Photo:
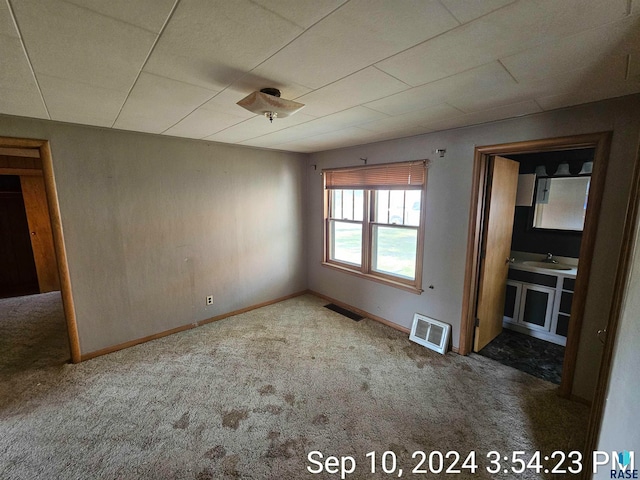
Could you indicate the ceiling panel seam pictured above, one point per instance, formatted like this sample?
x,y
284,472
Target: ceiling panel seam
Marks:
x,y
507,70
294,39
155,42
248,72
83,7
539,106
278,15
26,54
392,76
450,12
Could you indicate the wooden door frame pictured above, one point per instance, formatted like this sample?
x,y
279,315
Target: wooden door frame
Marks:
x,y
619,292
27,148
601,142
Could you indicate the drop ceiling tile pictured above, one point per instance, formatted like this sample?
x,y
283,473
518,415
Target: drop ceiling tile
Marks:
x,y
612,69
20,95
583,49
157,103
212,43
225,102
202,123
480,80
147,14
351,137
303,13
356,35
336,121
506,111
66,41
412,119
361,87
255,127
465,11
7,27
336,139
76,102
577,97
506,31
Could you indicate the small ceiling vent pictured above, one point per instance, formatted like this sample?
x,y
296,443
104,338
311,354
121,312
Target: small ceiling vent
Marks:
x,y
430,333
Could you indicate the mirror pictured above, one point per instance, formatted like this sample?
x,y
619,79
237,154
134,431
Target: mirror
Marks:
x,y
561,203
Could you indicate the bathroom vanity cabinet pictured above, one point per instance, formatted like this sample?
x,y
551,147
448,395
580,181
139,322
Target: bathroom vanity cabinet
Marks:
x,y
538,302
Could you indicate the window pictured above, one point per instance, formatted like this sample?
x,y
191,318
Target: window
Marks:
x,y
373,224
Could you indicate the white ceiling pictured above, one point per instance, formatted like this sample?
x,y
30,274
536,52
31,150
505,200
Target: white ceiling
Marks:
x,y
367,70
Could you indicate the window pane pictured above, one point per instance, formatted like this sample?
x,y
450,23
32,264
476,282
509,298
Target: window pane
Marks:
x,y
394,251
382,206
346,242
396,206
358,204
412,208
336,203
347,205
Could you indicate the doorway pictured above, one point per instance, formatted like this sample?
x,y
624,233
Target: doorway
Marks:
x,y
481,182
30,160
548,220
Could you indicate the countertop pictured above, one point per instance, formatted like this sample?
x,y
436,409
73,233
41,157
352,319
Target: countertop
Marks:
x,y
520,257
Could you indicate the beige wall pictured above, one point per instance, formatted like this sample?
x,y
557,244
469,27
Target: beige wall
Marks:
x,y
153,225
447,204
620,424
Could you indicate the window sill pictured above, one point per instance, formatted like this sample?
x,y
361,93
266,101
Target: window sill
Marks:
x,y
375,278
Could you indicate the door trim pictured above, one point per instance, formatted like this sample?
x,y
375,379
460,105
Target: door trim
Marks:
x,y
619,293
601,143
44,152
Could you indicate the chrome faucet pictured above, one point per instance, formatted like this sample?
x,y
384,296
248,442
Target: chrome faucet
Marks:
x,y
550,259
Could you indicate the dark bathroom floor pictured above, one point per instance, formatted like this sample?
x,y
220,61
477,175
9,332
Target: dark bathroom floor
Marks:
x,y
528,354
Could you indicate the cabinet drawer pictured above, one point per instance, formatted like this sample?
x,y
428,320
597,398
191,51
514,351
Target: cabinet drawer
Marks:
x,y
532,277
569,284
512,300
563,325
565,302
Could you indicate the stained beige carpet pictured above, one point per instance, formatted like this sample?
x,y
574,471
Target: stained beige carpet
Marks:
x,y
250,396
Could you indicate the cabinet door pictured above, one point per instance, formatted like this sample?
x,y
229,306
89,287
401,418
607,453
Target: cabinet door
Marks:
x,y
512,301
536,307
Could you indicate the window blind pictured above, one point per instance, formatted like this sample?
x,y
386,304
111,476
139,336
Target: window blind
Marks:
x,y
389,176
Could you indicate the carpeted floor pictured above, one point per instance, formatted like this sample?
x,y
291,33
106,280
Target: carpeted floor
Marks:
x,y
252,395
529,354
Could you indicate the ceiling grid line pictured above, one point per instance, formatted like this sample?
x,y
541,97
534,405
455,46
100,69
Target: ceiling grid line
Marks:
x,y
111,17
153,46
460,22
296,37
26,53
507,70
248,73
364,68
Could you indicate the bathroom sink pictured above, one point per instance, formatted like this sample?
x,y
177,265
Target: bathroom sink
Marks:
x,y
551,266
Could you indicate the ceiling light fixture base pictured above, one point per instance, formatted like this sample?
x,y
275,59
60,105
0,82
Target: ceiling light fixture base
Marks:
x,y
267,102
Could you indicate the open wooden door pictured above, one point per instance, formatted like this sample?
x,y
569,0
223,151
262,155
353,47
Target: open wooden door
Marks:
x,y
499,211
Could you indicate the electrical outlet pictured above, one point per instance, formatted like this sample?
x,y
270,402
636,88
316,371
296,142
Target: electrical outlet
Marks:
x,y
209,299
